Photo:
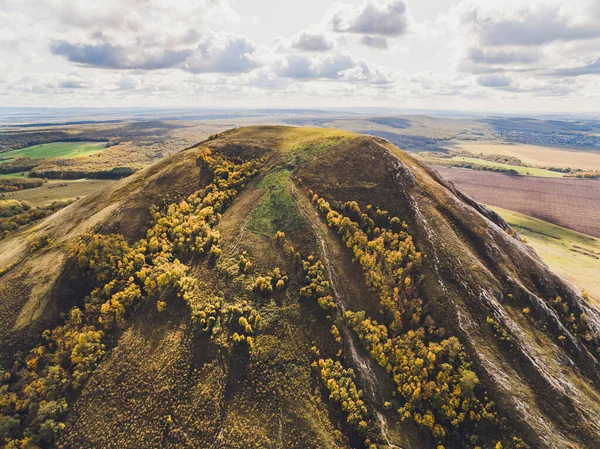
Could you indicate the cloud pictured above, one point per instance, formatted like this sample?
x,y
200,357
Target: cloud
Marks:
x,y
110,56
72,84
588,69
234,54
535,29
515,47
340,67
148,35
524,86
308,40
385,18
128,83
536,24
494,81
135,16
224,54
511,56
265,79
375,42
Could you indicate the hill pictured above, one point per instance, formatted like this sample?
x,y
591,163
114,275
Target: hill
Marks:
x,y
290,287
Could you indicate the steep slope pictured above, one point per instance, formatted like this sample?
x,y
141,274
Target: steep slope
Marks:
x,y
291,287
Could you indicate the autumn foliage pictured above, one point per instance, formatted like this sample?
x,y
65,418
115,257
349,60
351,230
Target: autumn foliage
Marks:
x,y
436,384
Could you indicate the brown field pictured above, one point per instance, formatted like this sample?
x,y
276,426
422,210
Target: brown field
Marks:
x,y
538,155
572,203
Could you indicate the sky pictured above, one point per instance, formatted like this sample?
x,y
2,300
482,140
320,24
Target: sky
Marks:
x,y
479,55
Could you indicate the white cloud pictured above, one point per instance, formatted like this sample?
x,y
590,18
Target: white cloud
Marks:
x,y
515,47
195,51
341,67
375,42
535,23
593,68
494,81
386,18
224,54
504,56
375,21
311,40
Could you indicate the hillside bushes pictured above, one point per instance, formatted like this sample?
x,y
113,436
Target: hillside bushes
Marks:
x,y
18,165
16,184
16,214
343,390
435,381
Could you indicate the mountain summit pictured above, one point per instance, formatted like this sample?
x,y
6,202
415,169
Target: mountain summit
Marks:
x,y
279,287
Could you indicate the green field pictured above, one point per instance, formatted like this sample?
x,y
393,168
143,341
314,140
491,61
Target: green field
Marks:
x,y
66,150
521,170
15,175
573,255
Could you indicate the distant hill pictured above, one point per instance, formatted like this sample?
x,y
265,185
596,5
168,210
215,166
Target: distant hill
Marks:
x,y
282,287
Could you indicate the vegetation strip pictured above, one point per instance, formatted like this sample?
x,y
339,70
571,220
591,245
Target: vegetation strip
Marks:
x,y
436,385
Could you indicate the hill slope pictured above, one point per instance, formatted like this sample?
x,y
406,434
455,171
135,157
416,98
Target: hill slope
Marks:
x,y
291,287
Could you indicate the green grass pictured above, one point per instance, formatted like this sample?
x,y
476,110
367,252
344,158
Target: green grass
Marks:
x,y
277,208
573,255
521,170
20,174
66,150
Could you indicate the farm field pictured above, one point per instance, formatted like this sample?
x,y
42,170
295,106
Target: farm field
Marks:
x,y
571,254
59,190
572,203
67,150
538,155
527,171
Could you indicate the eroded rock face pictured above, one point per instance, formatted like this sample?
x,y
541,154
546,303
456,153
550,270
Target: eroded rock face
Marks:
x,y
531,337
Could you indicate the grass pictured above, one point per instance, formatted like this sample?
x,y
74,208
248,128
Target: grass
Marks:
x,y
277,209
573,255
520,169
66,150
306,151
15,175
58,191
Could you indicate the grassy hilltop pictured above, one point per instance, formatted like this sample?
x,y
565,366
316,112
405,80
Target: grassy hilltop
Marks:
x,y
290,287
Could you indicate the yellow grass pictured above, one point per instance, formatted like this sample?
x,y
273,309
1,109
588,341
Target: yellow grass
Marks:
x,y
538,155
